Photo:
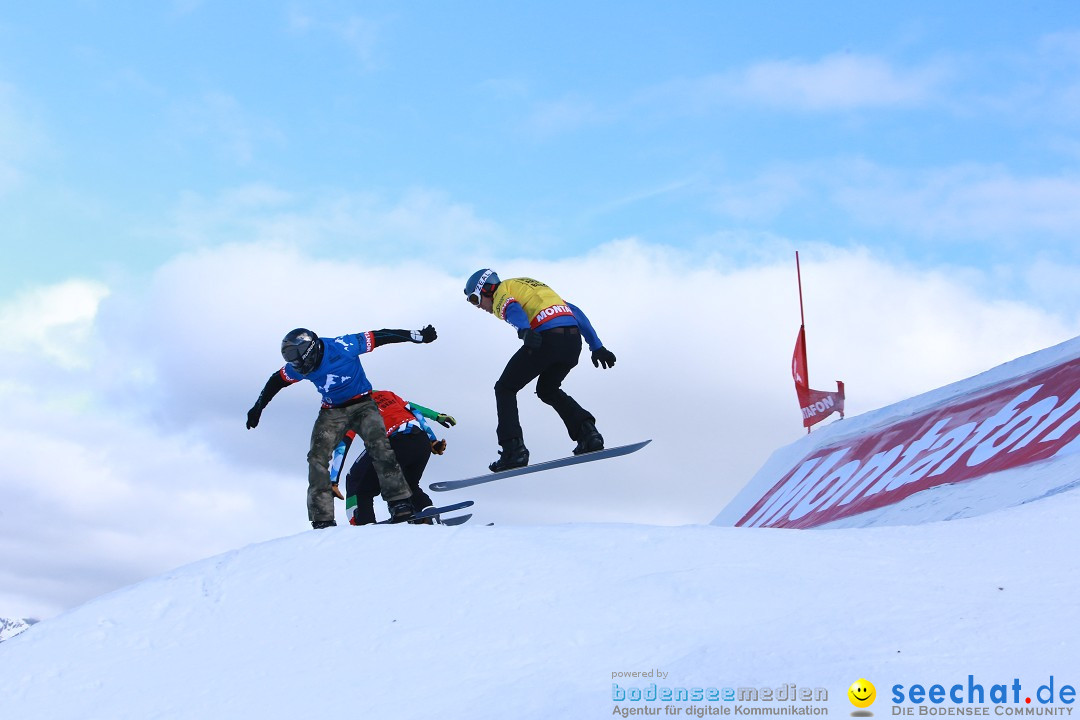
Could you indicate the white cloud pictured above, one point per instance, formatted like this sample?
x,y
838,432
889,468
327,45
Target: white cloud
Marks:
x,y
566,114
53,321
343,226
155,468
1034,88
186,7
766,195
360,34
963,201
834,83
1063,45
959,204
838,82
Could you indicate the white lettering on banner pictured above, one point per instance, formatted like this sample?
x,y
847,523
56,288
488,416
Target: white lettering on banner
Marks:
x,y
906,470
813,500
1052,418
878,465
1000,427
782,501
985,428
821,406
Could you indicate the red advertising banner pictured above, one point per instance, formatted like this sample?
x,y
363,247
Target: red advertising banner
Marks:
x,y
816,405
1013,423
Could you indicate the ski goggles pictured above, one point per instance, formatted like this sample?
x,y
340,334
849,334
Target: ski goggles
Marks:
x,y
300,357
474,296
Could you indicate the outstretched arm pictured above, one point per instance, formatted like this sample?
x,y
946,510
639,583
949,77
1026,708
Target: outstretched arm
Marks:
x,y
386,336
420,412
272,387
441,418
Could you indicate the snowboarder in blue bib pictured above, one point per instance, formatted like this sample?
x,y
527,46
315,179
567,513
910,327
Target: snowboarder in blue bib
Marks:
x,y
551,330
333,366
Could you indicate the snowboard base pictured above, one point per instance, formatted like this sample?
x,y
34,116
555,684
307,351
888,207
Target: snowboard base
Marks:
x,y
549,465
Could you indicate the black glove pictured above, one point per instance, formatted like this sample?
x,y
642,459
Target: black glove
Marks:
x,y
253,415
445,420
428,334
531,338
438,447
603,357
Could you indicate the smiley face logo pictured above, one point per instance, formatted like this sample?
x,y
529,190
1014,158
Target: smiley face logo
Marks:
x,y
862,693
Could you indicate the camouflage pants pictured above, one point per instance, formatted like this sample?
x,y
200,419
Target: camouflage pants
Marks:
x,y
330,428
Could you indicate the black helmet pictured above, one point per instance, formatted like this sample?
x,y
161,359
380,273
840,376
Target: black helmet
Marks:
x,y
302,349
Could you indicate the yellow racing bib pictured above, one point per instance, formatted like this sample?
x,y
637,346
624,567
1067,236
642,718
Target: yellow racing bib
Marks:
x,y
539,302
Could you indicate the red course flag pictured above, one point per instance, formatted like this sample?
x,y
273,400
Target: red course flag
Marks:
x,y
816,404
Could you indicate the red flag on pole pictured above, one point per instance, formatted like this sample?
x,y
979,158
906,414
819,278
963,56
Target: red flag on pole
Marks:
x,y
816,404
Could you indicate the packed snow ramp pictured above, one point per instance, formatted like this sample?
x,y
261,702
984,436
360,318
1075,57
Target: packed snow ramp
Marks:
x,y
1002,438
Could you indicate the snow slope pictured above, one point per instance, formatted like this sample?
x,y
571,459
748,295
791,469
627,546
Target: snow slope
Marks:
x,y
590,621
1039,393
532,622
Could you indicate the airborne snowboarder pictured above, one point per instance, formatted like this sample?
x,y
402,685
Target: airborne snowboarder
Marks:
x,y
550,330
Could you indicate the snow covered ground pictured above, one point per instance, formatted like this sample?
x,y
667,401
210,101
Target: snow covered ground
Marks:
x,y
539,622
984,489
602,620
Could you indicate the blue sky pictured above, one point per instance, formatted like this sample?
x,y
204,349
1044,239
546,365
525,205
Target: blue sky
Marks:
x,y
938,133
181,183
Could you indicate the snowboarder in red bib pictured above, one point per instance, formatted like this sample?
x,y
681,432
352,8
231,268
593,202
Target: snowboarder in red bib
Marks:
x,y
550,330
333,366
413,443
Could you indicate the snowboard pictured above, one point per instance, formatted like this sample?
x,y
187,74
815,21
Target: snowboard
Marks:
x,y
443,485
456,520
431,512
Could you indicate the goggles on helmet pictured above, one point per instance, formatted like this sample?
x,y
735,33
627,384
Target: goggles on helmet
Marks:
x,y
301,353
474,296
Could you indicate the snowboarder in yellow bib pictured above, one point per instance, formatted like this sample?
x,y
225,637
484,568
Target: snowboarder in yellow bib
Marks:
x,y
550,330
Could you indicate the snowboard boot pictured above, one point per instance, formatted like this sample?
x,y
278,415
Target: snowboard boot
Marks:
x,y
366,519
589,439
513,455
320,524
400,510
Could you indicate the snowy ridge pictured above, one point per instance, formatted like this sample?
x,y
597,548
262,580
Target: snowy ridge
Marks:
x,y
962,450
536,622
595,621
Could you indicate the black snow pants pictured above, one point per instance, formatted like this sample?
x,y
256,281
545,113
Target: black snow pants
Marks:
x,y
413,450
549,364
